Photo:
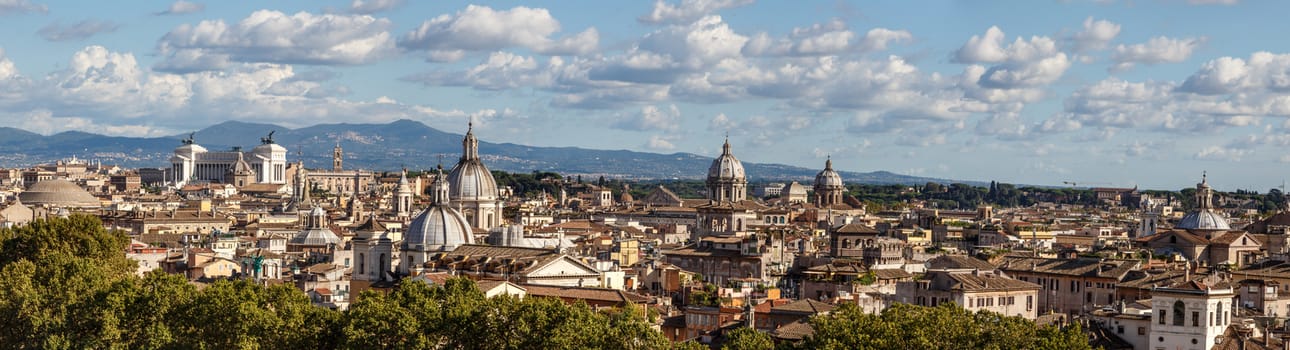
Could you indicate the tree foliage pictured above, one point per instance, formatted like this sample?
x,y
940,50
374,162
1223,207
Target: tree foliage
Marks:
x,y
744,338
946,326
66,284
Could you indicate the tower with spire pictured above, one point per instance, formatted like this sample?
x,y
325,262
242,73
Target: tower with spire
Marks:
x,y
337,158
403,198
472,188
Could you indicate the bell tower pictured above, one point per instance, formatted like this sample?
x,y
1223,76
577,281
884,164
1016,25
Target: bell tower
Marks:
x,y
337,157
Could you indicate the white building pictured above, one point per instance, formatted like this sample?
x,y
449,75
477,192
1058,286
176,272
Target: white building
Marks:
x,y
192,162
1190,315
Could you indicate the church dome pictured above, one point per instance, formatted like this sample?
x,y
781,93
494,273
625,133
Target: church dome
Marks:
x,y
726,167
828,178
317,236
1203,220
470,179
438,227
58,193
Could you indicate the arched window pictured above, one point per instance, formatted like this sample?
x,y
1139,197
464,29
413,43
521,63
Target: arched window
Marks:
x,y
1179,316
362,264
1218,315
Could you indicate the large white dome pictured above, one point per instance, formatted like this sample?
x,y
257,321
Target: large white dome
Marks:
x,y
1203,220
726,167
470,180
59,193
827,178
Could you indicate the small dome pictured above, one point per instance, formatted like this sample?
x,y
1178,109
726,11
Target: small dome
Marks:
x,y
1203,220
726,167
58,193
439,227
318,236
827,178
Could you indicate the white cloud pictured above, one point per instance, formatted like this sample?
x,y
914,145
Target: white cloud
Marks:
x,y
1095,35
108,92
183,7
373,6
7,69
1022,64
79,31
1221,153
651,118
480,28
1155,51
688,10
721,122
989,48
661,143
1263,72
831,38
9,7
272,36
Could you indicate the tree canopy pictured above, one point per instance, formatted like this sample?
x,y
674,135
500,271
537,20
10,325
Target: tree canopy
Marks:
x,y
67,284
947,326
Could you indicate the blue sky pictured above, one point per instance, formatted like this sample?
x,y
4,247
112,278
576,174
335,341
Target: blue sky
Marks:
x,y
1108,93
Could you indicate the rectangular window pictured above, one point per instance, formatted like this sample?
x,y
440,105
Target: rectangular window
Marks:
x,y
1162,316
1195,319
969,302
1119,329
1211,318
1001,301
1029,302
1142,330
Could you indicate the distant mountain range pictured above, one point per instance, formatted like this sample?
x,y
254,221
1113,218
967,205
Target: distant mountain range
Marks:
x,y
403,143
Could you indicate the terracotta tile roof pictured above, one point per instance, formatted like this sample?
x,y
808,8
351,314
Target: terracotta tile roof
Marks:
x,y
1086,267
891,274
847,269
856,228
797,330
988,282
1231,237
586,293
950,261
804,306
